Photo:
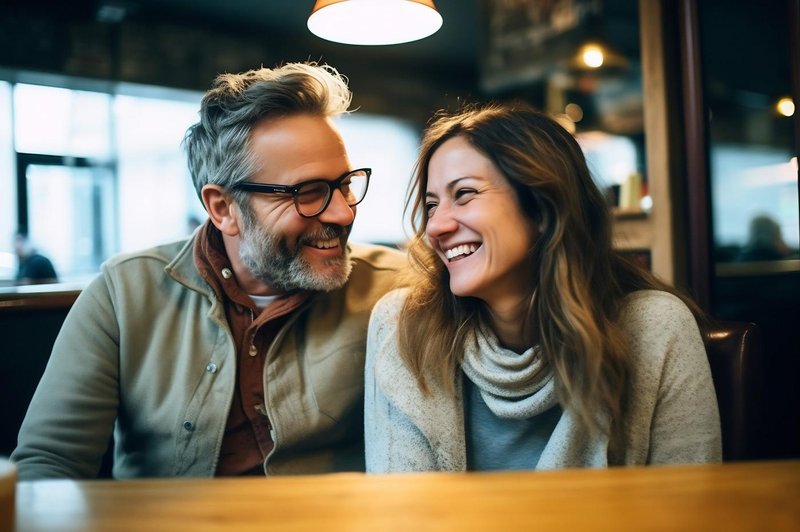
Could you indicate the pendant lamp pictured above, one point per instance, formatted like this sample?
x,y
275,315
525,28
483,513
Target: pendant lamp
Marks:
x,y
374,22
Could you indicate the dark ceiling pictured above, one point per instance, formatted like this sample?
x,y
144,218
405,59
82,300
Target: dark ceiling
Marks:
x,y
52,35
185,43
456,43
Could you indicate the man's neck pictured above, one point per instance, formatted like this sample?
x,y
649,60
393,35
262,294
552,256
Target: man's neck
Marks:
x,y
247,281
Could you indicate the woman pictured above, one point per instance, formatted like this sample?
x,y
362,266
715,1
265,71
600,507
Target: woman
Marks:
x,y
525,340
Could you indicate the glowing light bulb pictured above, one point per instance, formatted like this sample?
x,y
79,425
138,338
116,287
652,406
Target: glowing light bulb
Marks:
x,y
592,56
785,106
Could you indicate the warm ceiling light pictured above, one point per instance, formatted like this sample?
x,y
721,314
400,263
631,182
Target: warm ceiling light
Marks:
x,y
592,55
374,21
785,106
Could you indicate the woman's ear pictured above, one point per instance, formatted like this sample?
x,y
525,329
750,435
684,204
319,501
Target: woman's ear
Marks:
x,y
222,209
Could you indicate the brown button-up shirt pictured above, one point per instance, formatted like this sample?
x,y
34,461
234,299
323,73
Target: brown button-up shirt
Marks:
x,y
247,440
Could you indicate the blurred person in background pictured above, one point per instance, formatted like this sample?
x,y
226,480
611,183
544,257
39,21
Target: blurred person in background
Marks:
x,y
765,241
33,267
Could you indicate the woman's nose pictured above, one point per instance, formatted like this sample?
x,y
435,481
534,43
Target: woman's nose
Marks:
x,y
338,211
441,223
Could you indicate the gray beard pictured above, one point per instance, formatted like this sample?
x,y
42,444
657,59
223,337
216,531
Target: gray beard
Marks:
x,y
271,261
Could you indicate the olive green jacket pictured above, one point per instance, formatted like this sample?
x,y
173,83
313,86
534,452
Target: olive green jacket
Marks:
x,y
146,350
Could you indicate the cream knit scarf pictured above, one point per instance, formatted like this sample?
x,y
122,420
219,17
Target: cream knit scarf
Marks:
x,y
520,386
513,385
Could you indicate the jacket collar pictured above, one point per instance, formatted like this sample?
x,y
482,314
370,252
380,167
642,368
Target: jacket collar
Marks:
x,y
183,269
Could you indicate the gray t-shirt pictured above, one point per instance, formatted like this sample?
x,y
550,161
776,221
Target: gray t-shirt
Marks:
x,y
495,443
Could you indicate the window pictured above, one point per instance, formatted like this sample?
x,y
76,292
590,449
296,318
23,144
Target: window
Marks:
x,y
156,195
98,174
8,188
57,121
389,146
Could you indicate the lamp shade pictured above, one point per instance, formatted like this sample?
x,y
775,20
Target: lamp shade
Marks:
x,y
374,22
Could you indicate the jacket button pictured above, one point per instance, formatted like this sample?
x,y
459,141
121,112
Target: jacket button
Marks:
x,y
188,425
211,368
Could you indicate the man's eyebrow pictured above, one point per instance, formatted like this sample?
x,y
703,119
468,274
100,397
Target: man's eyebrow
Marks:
x,y
310,178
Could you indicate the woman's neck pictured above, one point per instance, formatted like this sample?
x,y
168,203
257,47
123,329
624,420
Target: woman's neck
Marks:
x,y
508,324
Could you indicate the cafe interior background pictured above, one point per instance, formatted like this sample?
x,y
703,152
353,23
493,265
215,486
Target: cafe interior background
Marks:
x,y
685,110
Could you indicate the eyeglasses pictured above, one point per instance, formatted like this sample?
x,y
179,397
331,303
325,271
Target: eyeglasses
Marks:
x,y
312,197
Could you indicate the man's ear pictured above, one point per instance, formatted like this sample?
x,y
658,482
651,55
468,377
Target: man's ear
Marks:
x,y
222,209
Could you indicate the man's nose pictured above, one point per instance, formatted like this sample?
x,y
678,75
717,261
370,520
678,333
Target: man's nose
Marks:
x,y
338,211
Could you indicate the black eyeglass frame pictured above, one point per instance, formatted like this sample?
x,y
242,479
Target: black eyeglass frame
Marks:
x,y
294,190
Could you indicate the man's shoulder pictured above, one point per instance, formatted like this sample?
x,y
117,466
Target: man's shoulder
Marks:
x,y
37,262
378,257
162,254
376,270
37,259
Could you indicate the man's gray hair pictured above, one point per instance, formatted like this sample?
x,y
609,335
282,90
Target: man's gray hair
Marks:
x,y
217,147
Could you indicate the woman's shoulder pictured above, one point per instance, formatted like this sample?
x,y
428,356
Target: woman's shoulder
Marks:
x,y
386,312
390,304
653,318
653,307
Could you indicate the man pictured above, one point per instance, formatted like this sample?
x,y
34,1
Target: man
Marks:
x,y
34,268
240,351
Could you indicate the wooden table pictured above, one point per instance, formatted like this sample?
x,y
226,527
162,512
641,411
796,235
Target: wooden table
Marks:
x,y
745,496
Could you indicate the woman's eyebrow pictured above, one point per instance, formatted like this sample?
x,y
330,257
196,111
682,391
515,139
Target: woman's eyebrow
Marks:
x,y
451,185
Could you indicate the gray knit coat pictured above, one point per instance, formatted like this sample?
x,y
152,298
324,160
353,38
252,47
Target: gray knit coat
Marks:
x,y
672,414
